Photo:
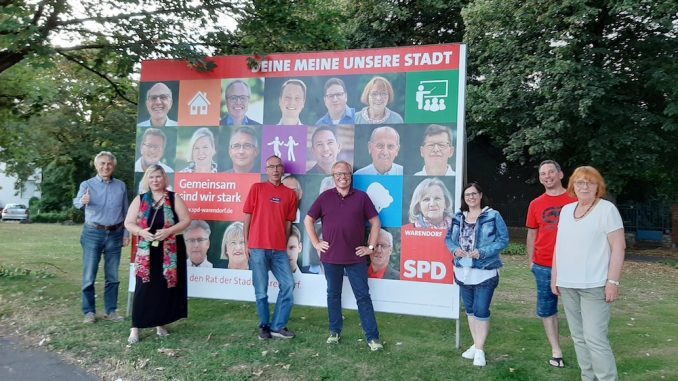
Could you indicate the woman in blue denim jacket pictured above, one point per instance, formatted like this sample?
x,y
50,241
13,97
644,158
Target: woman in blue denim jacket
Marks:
x,y
477,236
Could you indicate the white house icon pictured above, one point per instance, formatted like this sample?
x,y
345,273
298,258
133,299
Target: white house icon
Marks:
x,y
199,103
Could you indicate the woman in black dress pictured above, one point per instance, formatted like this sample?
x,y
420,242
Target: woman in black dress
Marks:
x,y
157,217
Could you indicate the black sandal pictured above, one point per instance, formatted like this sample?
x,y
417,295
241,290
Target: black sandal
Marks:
x,y
557,362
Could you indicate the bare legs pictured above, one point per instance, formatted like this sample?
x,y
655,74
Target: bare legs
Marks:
x,y
551,329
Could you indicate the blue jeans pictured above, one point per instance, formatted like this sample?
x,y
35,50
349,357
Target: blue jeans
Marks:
x,y
95,243
357,276
261,261
477,297
547,301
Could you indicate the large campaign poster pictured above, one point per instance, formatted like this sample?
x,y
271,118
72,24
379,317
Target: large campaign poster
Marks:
x,y
395,114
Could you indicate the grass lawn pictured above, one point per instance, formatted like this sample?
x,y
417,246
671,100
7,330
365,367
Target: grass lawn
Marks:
x,y
40,274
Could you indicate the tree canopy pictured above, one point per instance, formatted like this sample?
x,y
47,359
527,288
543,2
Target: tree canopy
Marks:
x,y
585,82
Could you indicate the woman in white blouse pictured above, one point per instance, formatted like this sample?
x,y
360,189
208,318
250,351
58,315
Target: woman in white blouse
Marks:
x,y
587,265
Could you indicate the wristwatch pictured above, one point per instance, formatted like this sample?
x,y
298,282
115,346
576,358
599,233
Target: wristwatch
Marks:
x,y
371,247
614,282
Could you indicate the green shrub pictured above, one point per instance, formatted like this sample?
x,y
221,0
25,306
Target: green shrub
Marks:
x,y
52,217
515,249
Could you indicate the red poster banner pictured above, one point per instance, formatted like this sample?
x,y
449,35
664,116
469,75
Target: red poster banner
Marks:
x,y
215,196
424,256
368,61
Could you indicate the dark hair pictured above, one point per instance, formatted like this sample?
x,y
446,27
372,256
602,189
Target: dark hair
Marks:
x,y
464,205
555,164
334,81
323,128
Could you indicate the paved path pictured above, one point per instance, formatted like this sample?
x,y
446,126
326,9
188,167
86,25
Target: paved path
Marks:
x,y
20,363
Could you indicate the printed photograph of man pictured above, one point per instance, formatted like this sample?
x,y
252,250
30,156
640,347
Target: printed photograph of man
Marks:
x,y
383,147
292,100
335,97
325,148
243,149
437,148
158,105
233,247
237,97
197,237
380,258
294,184
294,248
152,150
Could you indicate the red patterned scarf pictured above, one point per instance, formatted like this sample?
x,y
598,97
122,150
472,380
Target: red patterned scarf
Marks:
x,y
143,257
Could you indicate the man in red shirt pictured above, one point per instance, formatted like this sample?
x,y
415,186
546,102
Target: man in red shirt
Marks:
x,y
343,212
269,210
542,226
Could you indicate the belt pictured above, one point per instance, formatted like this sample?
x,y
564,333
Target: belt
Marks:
x,y
115,227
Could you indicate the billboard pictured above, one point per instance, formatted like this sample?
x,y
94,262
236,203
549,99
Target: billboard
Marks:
x,y
395,114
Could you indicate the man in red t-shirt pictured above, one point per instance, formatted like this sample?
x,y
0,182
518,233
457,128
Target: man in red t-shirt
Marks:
x,y
269,210
542,227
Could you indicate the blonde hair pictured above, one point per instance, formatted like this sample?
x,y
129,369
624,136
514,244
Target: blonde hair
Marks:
x,y
587,173
234,229
152,168
421,190
203,132
373,82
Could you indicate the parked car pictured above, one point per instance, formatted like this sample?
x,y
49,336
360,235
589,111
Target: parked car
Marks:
x,y
17,212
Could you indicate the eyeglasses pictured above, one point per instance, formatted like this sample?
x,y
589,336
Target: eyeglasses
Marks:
x,y
246,146
338,175
274,166
152,146
238,98
377,94
471,195
382,247
196,240
161,97
335,96
439,146
585,183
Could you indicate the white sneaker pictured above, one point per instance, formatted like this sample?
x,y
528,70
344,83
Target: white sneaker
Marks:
x,y
470,353
479,358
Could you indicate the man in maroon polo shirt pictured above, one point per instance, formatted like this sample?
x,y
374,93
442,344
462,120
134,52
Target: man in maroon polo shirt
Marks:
x,y
343,212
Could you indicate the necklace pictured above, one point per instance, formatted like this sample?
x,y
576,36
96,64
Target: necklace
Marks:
x,y
574,212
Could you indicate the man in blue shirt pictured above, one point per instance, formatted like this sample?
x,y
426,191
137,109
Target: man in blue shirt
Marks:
x,y
105,201
335,101
237,97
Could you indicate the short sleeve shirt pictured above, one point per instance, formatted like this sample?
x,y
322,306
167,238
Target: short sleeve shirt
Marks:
x,y
271,206
343,223
543,215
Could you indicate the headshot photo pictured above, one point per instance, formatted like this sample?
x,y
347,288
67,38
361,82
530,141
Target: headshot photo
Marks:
x,y
152,150
437,151
158,101
432,205
293,183
291,101
294,248
233,247
240,106
197,238
324,150
335,96
383,148
200,152
384,261
243,151
377,95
